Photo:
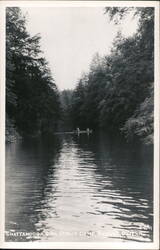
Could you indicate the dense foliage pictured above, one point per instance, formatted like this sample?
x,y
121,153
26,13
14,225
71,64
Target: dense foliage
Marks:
x,y
65,123
32,99
141,123
116,93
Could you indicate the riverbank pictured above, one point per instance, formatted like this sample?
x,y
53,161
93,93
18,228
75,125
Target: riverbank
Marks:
x,y
10,132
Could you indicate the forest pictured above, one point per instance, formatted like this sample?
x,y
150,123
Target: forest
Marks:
x,y
116,95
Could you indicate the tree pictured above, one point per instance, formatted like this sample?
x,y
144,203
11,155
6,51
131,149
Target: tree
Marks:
x,y
78,111
132,67
35,108
117,88
141,123
66,118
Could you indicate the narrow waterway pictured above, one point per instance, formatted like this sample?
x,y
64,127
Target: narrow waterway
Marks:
x,y
79,188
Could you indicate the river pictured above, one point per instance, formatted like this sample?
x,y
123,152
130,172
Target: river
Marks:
x,y
79,188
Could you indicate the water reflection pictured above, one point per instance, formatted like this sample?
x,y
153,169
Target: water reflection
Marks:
x,y
28,164
124,177
85,188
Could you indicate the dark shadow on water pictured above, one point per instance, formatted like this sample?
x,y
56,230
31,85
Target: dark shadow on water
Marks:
x,y
128,168
29,162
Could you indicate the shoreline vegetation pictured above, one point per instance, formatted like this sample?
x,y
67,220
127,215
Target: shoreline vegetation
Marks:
x,y
115,95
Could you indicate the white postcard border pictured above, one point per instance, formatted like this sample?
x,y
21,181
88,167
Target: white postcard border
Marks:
x,y
80,245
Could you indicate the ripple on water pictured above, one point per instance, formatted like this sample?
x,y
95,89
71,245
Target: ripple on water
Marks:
x,y
83,186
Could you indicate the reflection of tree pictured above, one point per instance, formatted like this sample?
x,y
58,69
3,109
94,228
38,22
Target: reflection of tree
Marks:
x,y
97,176
132,162
34,160
125,172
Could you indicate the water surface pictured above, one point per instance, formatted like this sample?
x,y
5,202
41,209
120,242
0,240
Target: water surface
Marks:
x,y
79,188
